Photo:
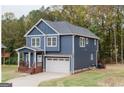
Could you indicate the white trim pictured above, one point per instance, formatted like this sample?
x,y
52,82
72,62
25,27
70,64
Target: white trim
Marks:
x,y
34,35
52,41
52,34
96,58
58,55
35,41
82,39
37,24
79,35
18,58
39,30
73,52
29,59
50,26
31,30
25,47
44,44
35,64
26,59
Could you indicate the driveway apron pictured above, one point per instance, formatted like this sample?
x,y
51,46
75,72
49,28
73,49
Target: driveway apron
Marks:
x,y
34,80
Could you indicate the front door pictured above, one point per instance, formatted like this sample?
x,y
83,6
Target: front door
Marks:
x,y
39,60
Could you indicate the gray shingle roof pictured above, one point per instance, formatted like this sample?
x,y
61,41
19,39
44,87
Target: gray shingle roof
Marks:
x,y
64,27
3,46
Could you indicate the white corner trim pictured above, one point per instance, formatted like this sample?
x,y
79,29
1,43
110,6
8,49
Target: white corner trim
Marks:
x,y
73,52
29,59
18,58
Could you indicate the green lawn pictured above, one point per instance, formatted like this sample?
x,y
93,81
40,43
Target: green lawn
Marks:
x,y
9,72
113,75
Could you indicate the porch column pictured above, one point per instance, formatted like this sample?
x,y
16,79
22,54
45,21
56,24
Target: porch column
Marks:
x,y
18,58
35,64
29,59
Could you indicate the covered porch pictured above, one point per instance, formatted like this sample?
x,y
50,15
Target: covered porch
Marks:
x,y
30,60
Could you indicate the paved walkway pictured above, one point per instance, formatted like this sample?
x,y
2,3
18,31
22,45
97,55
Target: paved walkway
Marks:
x,y
34,80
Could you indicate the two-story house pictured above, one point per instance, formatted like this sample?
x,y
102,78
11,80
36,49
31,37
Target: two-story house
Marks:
x,y
58,47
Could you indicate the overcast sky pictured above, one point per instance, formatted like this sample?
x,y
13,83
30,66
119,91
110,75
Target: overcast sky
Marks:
x,y
20,10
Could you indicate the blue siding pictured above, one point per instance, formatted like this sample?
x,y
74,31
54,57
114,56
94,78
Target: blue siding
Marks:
x,y
57,48
28,41
45,28
82,57
65,46
35,32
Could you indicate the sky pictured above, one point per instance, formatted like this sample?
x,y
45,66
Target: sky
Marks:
x,y
20,10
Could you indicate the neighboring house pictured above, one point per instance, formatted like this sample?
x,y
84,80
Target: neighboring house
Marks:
x,y
58,47
5,55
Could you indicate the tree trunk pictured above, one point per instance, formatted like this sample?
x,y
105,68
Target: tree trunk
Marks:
x,y
122,46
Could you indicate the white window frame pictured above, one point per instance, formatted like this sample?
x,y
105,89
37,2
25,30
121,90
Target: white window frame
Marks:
x,y
91,57
95,42
82,39
35,41
52,41
87,40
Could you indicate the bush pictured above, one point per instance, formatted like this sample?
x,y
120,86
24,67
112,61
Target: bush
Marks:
x,y
11,60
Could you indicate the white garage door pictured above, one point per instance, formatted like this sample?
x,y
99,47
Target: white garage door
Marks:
x,y
61,65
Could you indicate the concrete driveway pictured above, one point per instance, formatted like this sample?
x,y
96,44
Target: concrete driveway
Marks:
x,y
34,80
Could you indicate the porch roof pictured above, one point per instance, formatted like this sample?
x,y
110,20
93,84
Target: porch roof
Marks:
x,y
30,48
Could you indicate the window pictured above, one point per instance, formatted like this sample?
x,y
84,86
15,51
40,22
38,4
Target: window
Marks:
x,y
35,42
51,41
87,41
82,42
91,56
94,41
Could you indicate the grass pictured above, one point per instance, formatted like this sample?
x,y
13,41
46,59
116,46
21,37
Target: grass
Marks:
x,y
113,75
10,72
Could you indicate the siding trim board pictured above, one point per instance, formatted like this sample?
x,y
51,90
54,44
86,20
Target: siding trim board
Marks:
x,y
39,30
35,26
34,35
79,35
25,47
73,55
32,30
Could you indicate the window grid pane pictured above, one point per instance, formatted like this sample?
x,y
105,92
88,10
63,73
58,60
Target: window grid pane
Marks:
x,y
53,41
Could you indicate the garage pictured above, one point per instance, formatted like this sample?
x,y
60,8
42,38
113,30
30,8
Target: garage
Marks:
x,y
61,65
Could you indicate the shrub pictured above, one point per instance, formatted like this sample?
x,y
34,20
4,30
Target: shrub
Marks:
x,y
11,60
